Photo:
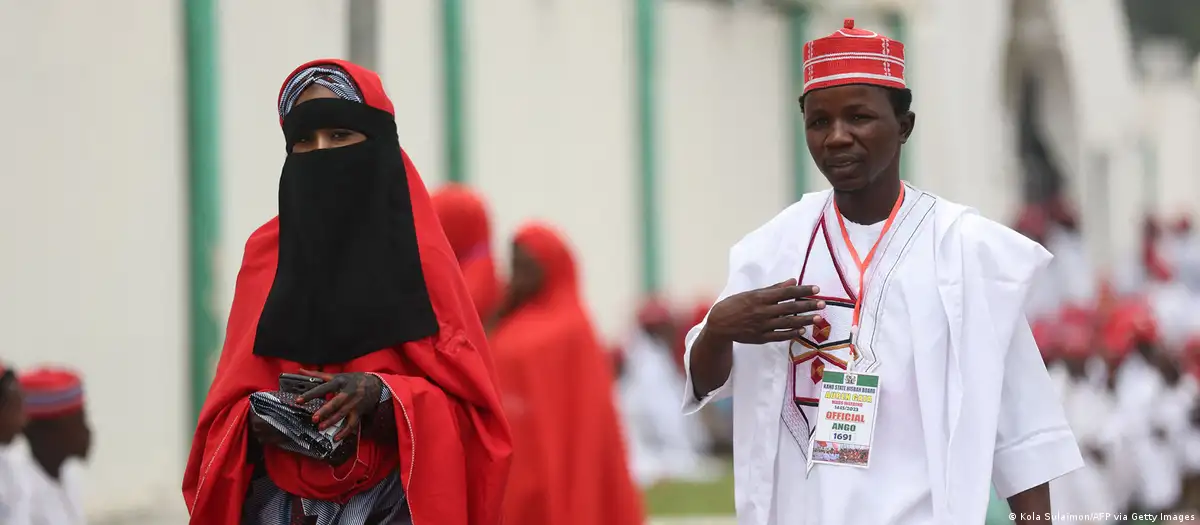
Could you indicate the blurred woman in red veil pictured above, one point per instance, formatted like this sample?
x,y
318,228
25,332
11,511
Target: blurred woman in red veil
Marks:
x,y
569,462
464,217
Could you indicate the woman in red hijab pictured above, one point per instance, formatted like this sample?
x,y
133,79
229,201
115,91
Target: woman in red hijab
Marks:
x,y
353,284
465,219
569,460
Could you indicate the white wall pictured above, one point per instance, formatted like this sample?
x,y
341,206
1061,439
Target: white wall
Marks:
x,y
261,42
552,134
965,151
91,194
1097,46
724,135
1175,138
410,56
1171,123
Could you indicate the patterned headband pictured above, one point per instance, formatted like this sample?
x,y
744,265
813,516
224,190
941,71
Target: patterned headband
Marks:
x,y
332,77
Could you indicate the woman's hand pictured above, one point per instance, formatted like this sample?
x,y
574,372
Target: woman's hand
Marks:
x,y
356,397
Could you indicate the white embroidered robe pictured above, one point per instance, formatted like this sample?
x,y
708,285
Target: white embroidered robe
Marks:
x,y
956,283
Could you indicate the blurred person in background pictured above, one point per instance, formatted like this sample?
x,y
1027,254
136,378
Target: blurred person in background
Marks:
x,y
663,443
1174,293
1068,280
1179,241
1071,264
1149,395
1089,408
59,441
717,417
464,217
918,272
569,461
1046,295
14,454
1191,448
353,284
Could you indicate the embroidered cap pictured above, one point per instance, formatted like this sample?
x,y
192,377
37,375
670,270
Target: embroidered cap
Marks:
x,y
853,56
653,311
51,392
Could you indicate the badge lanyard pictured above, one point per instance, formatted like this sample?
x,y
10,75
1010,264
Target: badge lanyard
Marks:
x,y
863,264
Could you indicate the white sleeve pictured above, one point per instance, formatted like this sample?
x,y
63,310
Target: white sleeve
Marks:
x,y
1034,443
735,284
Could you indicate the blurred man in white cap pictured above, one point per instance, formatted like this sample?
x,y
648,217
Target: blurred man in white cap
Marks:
x,y
15,463
60,439
663,443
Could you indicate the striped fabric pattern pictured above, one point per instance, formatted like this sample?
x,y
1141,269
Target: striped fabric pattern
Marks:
x,y
329,76
51,392
266,504
49,404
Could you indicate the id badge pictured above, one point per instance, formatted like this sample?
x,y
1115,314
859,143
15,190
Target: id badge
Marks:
x,y
845,420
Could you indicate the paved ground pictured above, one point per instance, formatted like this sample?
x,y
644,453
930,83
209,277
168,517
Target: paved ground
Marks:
x,y
166,519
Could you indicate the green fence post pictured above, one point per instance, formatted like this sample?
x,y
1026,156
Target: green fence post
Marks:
x,y
647,112
203,195
453,73
797,37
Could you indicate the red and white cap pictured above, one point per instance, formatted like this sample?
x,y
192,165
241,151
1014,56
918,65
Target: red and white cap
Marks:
x,y
51,392
853,56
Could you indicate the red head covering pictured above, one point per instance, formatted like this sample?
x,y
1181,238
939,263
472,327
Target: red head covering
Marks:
x,y
51,392
1129,322
1047,338
1075,341
1062,212
1033,222
654,311
1183,224
1191,356
464,217
853,56
448,411
557,383
560,278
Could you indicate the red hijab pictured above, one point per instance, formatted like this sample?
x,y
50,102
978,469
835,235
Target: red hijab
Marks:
x,y
453,441
464,217
570,463
1128,323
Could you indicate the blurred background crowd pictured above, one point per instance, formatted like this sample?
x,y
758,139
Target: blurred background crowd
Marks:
x,y
141,147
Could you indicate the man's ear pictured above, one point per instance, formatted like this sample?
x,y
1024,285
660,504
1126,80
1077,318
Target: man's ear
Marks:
x,y
908,121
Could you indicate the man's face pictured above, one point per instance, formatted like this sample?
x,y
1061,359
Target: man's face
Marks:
x,y
526,277
65,436
854,134
12,412
664,331
79,444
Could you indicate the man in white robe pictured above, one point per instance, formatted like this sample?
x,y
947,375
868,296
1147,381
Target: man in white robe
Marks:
x,y
934,307
1146,399
1089,409
15,494
663,443
59,439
